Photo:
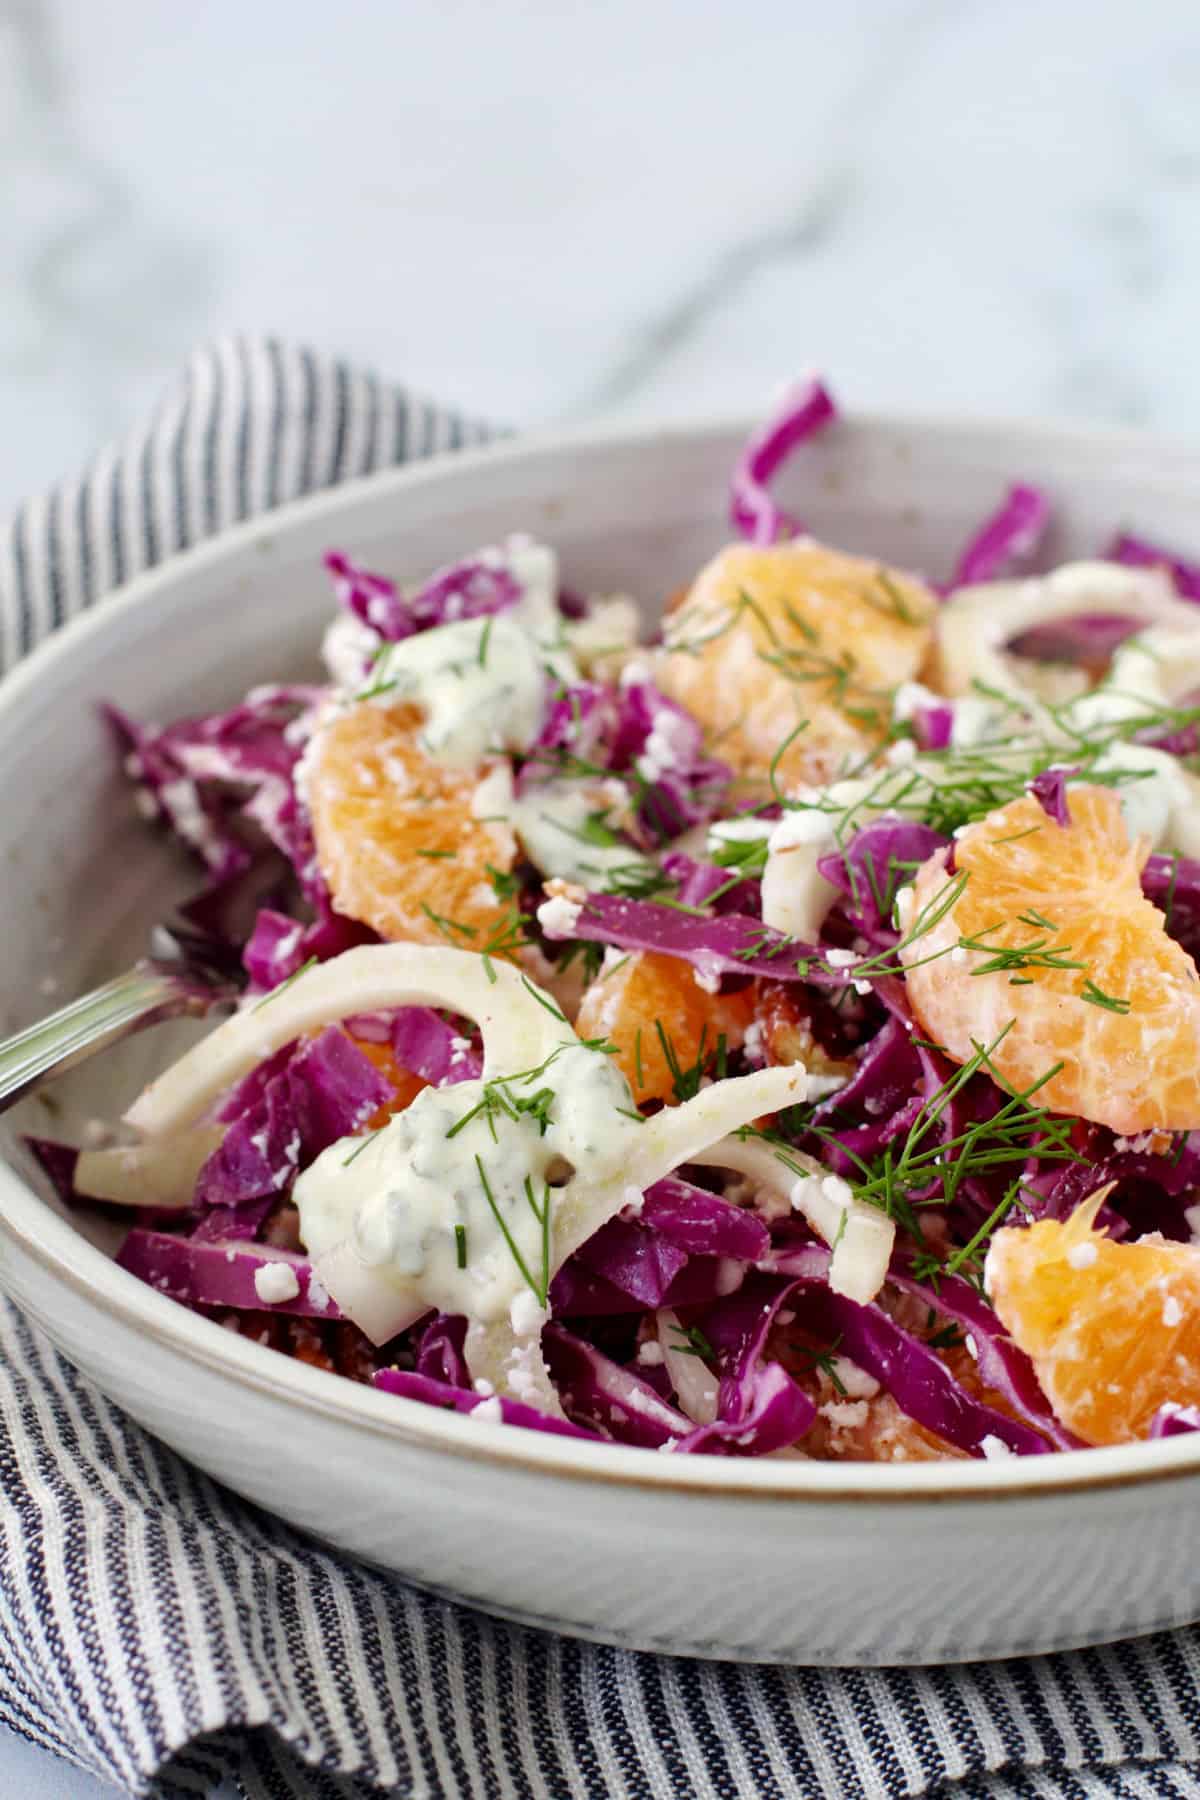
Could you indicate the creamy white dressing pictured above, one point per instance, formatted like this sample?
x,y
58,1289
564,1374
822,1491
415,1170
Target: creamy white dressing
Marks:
x,y
479,682
414,1199
1163,804
557,822
378,1215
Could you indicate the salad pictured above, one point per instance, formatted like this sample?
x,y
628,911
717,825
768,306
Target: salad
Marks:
x,y
777,1038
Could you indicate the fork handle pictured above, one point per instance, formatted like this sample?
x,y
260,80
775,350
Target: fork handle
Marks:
x,y
144,995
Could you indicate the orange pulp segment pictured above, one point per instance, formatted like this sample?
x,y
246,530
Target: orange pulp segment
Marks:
x,y
771,639
1113,1329
1094,996
397,838
653,1010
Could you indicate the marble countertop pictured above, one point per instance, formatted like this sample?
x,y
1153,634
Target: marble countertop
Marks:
x,y
547,209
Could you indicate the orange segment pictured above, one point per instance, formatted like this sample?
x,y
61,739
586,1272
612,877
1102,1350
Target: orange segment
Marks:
x,y
1113,1329
631,1001
1130,1054
396,837
405,1084
768,638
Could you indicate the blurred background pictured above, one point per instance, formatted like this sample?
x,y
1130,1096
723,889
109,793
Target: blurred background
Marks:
x,y
541,211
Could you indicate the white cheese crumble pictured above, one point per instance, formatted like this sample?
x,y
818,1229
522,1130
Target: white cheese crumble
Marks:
x,y
489,1411
841,959
558,916
650,1354
275,1282
526,1314
846,1415
855,1382
1082,1256
995,1449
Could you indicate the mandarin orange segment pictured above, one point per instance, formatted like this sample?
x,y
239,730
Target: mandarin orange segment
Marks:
x,y
405,1085
1121,1027
397,839
767,639
1113,1329
647,998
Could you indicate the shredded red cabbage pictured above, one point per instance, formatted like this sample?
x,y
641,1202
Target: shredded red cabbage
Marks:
x,y
806,409
220,1274
465,590
1006,541
435,1392
1139,553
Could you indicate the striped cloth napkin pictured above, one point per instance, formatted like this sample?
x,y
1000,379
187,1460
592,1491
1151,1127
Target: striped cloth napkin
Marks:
x,y
160,1632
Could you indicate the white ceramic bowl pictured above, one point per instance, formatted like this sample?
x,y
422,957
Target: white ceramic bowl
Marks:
x,y
764,1560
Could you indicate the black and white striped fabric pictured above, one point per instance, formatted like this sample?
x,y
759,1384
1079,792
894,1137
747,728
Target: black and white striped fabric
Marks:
x,y
167,1636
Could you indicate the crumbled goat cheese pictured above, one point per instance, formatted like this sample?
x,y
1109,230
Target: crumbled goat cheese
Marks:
x,y
275,1282
526,1315
1082,1256
558,916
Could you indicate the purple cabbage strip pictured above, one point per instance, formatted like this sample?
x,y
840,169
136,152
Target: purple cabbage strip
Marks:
x,y
645,1256
57,1162
579,721
634,1259
1054,1193
696,883
216,1274
578,1293
1008,540
1003,1366
225,1224
470,589
441,1353
426,1045
915,1376
285,1113
259,1155
664,745
613,1401
274,949
1137,552
879,859
196,773
701,1223
933,726
1173,884
730,944
373,599
759,1406
1172,1420
1049,789
464,590
431,1392
335,1088
1091,639
807,408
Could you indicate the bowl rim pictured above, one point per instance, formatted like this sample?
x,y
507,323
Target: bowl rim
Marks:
x,y
66,1255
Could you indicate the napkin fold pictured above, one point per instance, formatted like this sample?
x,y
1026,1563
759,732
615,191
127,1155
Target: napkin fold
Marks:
x,y
167,1636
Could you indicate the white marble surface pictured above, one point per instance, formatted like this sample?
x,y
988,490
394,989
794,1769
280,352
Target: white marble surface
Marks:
x,y
546,208
549,207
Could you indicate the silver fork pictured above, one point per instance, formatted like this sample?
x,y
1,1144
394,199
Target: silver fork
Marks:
x,y
186,976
